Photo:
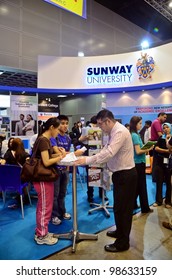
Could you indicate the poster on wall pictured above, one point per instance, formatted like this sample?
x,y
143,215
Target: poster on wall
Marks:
x,y
43,116
146,112
48,106
94,177
24,110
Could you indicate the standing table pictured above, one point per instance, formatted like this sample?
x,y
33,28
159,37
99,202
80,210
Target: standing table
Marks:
x,y
74,234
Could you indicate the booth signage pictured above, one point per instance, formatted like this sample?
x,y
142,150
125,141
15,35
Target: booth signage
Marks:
x,y
107,72
109,75
145,66
77,7
48,104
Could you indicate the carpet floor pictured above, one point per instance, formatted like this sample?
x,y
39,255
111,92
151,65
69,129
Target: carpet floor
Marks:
x,y
17,234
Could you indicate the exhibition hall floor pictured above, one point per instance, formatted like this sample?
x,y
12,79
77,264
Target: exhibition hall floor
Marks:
x,y
149,241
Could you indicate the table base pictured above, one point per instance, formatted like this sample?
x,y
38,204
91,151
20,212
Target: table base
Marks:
x,y
102,206
76,236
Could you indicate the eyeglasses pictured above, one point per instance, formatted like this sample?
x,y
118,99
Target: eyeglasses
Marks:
x,y
101,123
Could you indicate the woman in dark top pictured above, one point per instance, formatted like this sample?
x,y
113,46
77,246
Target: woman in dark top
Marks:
x,y
16,153
45,190
140,160
162,170
10,140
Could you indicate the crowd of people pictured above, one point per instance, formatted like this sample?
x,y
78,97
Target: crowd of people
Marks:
x,y
124,157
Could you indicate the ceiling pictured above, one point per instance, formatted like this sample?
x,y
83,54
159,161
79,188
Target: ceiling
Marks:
x,y
144,15
17,78
137,11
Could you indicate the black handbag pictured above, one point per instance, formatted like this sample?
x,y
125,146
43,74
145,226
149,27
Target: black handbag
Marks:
x,y
34,170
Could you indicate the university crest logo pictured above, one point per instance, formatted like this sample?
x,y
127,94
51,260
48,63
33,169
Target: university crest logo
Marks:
x,y
145,66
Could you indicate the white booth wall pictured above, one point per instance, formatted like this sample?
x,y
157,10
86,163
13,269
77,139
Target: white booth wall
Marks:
x,y
121,103
73,75
146,104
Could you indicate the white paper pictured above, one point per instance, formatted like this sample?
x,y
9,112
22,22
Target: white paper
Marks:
x,y
69,158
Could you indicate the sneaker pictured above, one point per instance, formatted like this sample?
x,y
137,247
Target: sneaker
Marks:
x,y
156,204
36,236
47,239
167,206
66,216
56,221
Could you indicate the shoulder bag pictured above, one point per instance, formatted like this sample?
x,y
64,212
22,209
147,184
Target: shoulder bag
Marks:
x,y
34,170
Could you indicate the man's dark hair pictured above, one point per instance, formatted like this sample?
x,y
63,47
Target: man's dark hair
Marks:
x,y
148,122
103,114
93,120
87,123
161,114
127,125
63,118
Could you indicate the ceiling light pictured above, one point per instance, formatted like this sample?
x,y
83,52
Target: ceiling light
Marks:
x,y
4,10
170,4
61,95
80,54
145,45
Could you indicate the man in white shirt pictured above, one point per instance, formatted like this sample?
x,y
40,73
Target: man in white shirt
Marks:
x,y
119,156
147,134
84,139
19,126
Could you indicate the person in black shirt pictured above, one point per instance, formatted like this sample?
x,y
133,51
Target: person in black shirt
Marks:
x,y
162,170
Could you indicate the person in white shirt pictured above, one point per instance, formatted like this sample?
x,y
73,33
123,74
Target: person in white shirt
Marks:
x,y
19,126
119,156
29,126
84,139
145,132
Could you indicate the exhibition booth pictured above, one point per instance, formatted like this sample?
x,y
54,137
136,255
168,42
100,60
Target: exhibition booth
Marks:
x,y
137,83
134,83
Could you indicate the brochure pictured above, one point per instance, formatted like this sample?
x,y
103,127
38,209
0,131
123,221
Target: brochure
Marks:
x,y
148,145
94,135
